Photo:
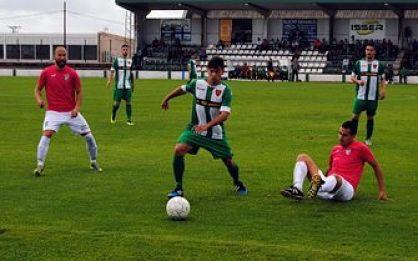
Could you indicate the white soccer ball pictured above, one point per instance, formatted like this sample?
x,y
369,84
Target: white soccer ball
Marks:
x,y
178,208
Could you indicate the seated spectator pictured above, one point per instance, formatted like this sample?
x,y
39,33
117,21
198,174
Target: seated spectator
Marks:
x,y
259,42
265,45
203,56
271,72
245,71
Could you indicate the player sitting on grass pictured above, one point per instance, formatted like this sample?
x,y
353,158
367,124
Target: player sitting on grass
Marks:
x,y
211,107
345,169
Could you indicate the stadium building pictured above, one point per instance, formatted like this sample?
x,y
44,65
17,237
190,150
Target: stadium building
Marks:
x,y
325,36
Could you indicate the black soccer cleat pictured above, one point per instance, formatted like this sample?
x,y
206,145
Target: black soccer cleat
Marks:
x,y
175,193
292,192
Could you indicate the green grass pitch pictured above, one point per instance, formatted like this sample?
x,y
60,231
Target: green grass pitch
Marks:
x,y
72,213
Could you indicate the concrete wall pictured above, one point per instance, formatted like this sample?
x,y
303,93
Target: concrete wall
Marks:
x,y
213,31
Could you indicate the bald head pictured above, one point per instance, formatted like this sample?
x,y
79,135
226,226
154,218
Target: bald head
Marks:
x,y
60,56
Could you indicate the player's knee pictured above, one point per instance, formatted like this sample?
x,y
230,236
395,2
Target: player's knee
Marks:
x,y
303,157
181,149
48,134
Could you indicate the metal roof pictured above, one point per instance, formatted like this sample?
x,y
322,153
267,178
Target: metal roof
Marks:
x,y
267,5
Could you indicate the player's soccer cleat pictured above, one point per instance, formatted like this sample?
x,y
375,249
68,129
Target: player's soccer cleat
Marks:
x,y
176,193
130,123
38,171
95,166
241,189
368,142
292,192
112,120
316,183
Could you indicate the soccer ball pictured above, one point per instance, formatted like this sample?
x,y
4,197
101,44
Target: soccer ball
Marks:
x,y
178,208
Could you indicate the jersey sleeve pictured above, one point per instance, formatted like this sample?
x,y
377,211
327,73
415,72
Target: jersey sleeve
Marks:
x,y
226,100
189,87
356,69
382,70
114,65
367,155
42,79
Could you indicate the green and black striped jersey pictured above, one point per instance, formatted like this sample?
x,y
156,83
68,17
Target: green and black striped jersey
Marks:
x,y
372,73
208,103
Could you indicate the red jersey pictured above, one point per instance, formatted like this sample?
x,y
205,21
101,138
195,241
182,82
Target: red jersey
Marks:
x,y
60,86
348,162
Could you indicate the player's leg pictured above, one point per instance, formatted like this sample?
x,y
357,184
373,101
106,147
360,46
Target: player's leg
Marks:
x,y
80,126
371,112
234,172
128,99
117,98
42,151
180,150
335,188
305,167
52,123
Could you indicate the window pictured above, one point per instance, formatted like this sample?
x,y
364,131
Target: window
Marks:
x,y
28,51
242,31
90,52
74,52
13,51
42,52
1,52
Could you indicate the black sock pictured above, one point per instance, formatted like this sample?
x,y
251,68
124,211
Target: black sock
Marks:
x,y
370,127
178,167
114,110
233,171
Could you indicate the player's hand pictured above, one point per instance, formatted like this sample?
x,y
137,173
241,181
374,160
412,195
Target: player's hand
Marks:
x,y
361,82
200,128
164,105
383,195
382,95
41,104
74,113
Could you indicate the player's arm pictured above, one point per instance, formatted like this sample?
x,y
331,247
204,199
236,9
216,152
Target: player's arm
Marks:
x,y
223,116
179,91
38,90
131,79
380,180
112,72
78,96
355,74
383,85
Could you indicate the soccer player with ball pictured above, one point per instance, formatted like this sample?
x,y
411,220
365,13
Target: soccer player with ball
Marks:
x,y
345,169
211,108
63,94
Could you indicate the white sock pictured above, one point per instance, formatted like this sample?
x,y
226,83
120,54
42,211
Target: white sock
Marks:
x,y
299,174
330,183
91,147
43,149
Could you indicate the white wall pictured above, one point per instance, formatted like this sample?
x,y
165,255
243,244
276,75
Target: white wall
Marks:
x,y
213,31
413,24
152,30
259,29
391,32
341,29
322,28
275,29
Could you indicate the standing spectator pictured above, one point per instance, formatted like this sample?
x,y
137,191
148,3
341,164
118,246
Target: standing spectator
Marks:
x,y
271,74
295,69
389,73
403,75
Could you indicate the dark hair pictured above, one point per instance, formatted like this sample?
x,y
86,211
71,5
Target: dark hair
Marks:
x,y
350,125
369,44
125,45
216,63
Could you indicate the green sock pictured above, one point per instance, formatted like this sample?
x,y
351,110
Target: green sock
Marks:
x,y
114,110
178,167
129,112
370,126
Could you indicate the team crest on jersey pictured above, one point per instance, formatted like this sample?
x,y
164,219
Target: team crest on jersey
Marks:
x,y
218,92
66,77
347,152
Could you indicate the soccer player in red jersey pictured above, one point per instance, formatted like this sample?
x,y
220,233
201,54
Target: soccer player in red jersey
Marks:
x,y
345,169
63,95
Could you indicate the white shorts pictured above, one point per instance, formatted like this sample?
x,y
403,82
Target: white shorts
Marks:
x,y
344,193
54,120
